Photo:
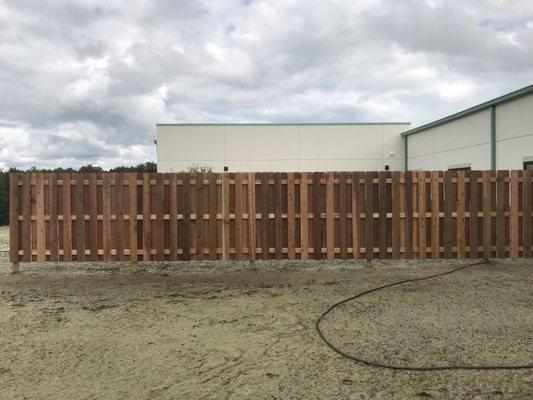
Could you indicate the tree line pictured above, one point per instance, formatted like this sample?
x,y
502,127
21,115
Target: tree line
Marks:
x,y
4,180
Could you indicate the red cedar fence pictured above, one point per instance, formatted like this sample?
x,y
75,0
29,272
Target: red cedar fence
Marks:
x,y
335,215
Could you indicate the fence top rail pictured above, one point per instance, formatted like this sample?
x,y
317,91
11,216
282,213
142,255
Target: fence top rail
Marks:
x,y
254,172
428,176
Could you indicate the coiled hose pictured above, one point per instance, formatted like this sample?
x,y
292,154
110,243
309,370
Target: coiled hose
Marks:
x,y
373,363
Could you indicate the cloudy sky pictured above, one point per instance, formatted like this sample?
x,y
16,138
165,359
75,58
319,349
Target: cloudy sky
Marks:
x,y
86,81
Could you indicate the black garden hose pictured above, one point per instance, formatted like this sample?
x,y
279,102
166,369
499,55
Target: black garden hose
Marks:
x,y
406,367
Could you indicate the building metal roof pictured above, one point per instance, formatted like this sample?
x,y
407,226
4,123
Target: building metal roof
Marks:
x,y
480,107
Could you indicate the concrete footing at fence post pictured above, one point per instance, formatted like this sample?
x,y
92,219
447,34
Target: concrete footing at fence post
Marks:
x,y
15,268
133,266
252,266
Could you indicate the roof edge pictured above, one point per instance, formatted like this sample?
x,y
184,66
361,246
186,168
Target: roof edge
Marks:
x,y
277,123
472,110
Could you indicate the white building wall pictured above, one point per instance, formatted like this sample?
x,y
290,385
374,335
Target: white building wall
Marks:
x,y
514,132
465,140
269,147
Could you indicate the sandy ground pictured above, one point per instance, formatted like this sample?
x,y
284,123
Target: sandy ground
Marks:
x,y
88,332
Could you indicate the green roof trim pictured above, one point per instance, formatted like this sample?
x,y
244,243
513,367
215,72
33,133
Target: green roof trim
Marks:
x,y
280,123
480,107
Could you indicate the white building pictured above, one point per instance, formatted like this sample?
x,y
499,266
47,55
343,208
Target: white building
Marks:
x,y
497,134
281,147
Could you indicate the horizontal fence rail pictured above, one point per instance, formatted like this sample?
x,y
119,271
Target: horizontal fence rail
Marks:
x,y
240,216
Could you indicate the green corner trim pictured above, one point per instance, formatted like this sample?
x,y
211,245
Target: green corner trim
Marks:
x,y
406,153
493,137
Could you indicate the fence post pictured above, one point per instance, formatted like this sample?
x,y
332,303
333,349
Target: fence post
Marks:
x,y
369,215
528,221
225,217
435,214
513,215
14,221
330,222
357,205
132,212
304,217
238,196
487,215
291,222
251,218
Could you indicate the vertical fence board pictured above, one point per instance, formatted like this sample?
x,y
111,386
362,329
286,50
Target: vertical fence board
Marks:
x,y
527,209
330,227
239,231
388,219
173,215
119,214
501,194
193,211
67,220
277,216
188,225
396,207
33,227
158,211
409,251
212,237
80,217
264,216
435,212
487,215
317,217
343,222
147,224
461,207
473,219
14,211
252,244
448,209
382,209
357,206
106,211
39,215
291,221
199,211
93,217
113,206
369,216
133,224
521,218
422,235
304,214
513,215
225,217
213,215
271,220
54,222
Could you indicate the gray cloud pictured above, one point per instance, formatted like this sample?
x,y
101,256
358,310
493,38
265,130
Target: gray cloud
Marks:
x,y
86,82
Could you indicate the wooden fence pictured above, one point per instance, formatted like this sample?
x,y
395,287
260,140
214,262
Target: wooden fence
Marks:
x,y
344,215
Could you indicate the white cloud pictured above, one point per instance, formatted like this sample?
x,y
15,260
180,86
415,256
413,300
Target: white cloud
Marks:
x,y
454,90
87,82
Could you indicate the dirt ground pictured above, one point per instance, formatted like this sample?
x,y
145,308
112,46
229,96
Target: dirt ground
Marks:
x,y
169,332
